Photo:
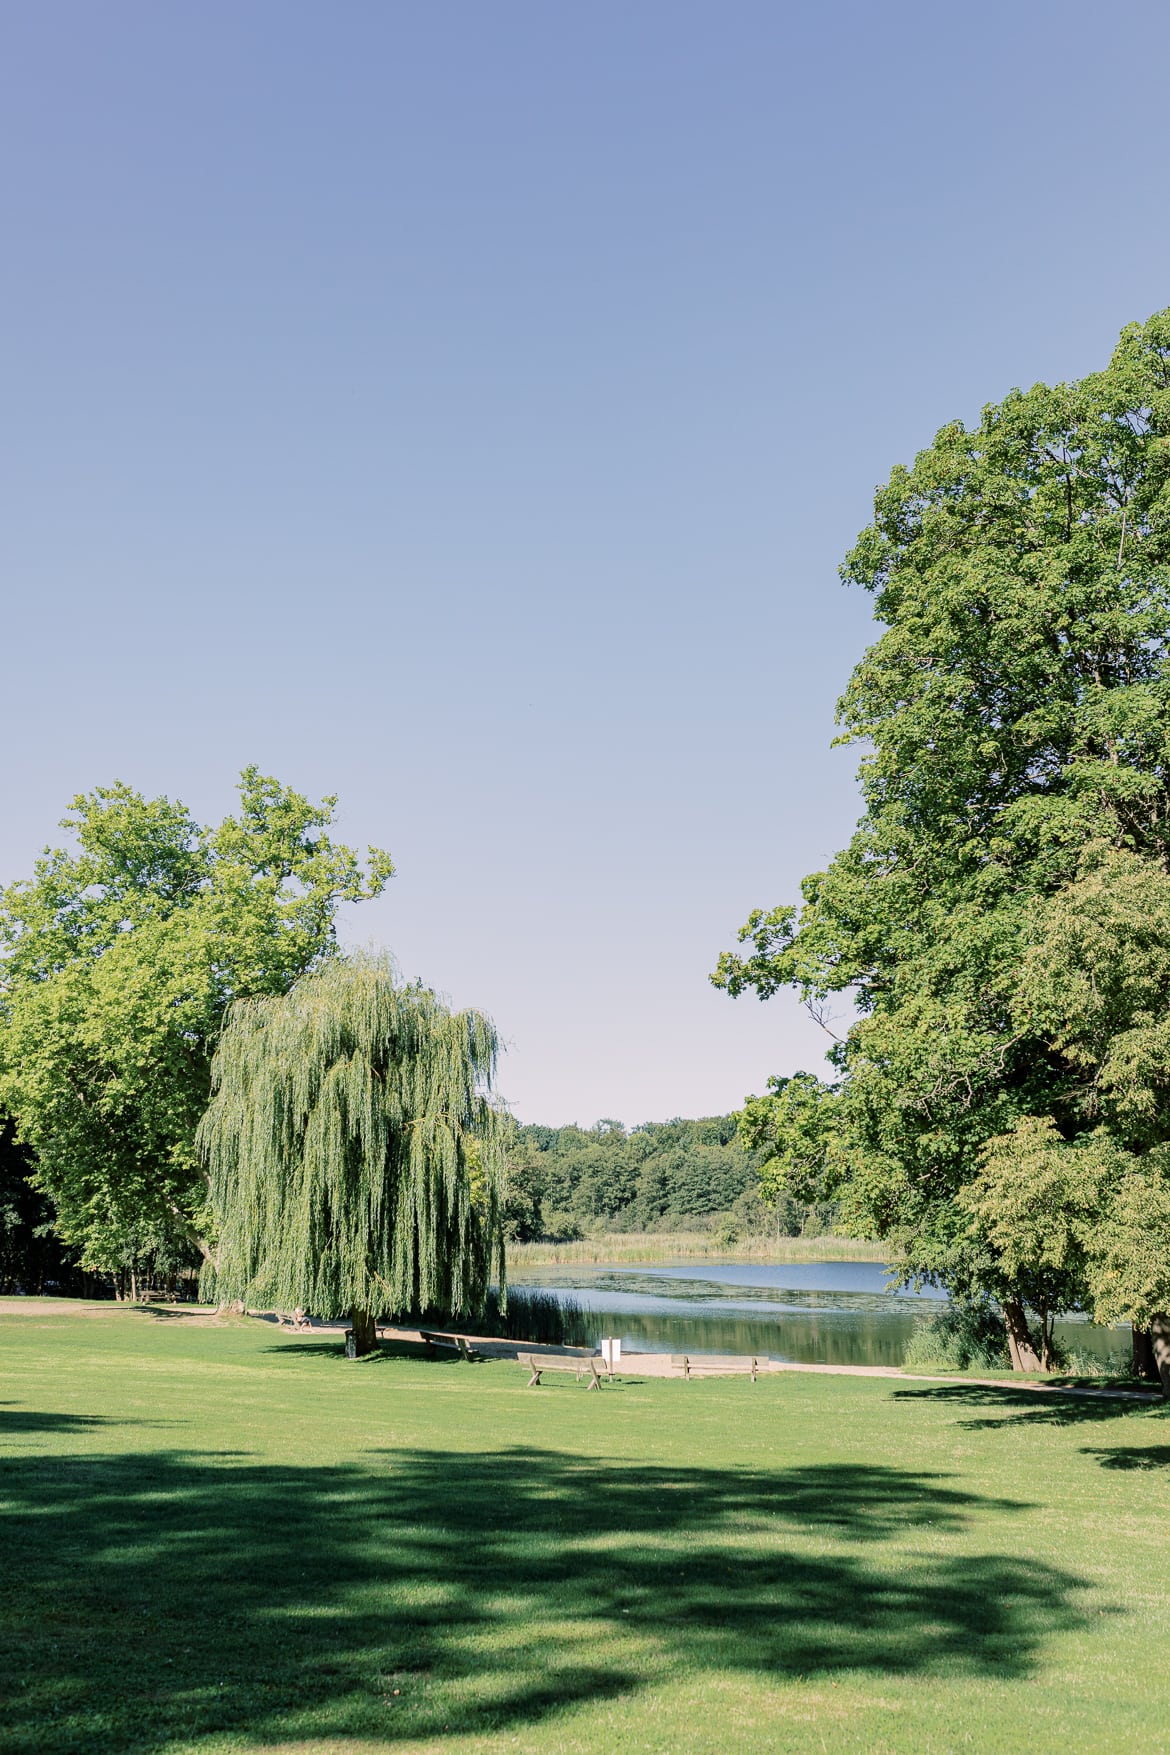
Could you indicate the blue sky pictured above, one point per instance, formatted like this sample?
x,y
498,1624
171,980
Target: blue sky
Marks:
x,y
465,409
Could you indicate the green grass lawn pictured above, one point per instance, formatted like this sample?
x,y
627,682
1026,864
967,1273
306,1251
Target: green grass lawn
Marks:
x,y
224,1538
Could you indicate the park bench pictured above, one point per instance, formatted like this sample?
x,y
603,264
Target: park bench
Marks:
x,y
459,1342
538,1363
712,1367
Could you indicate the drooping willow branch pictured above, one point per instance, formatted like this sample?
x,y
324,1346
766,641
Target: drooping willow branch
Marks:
x,y
354,1153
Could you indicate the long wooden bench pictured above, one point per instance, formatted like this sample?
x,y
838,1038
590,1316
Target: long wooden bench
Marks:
x,y
460,1342
538,1363
709,1366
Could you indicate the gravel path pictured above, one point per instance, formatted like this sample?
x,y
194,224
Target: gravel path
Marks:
x,y
659,1365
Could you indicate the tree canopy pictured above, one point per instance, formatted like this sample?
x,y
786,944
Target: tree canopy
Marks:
x,y
660,1174
117,961
1015,719
355,1157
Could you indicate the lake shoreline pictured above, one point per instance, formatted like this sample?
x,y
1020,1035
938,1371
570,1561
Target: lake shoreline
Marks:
x,y
637,1248
829,1312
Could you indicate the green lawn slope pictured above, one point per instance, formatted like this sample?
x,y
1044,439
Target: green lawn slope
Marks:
x,y
220,1537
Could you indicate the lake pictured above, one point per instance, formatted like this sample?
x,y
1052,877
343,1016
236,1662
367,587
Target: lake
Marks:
x,y
829,1312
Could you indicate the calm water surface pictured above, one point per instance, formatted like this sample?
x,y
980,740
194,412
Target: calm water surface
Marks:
x,y
830,1312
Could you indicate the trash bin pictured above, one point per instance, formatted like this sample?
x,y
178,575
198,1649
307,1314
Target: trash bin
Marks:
x,y
350,1344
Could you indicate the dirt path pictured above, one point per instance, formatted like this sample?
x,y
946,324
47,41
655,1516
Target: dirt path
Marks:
x,y
632,1364
659,1365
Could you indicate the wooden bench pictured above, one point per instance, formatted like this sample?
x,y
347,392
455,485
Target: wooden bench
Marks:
x,y
538,1363
459,1342
713,1367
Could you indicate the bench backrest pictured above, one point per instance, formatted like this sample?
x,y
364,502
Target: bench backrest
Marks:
x,y
710,1362
558,1361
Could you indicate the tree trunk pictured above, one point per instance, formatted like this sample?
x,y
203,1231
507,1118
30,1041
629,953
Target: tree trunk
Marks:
x,y
1020,1342
365,1333
1160,1337
1047,1341
1144,1364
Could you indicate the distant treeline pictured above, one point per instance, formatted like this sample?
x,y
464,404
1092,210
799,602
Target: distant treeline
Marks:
x,y
662,1175
565,1182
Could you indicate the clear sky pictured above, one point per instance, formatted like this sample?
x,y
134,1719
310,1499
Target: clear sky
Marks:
x,y
465,409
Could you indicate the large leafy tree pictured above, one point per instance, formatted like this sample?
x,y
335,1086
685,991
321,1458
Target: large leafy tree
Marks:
x,y
792,1129
356,1160
1015,717
119,957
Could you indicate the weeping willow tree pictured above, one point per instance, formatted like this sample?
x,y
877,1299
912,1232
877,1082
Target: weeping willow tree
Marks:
x,y
354,1156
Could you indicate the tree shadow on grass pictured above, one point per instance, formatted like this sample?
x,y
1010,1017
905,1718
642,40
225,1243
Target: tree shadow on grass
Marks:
x,y
1132,1456
16,1420
333,1348
167,1597
1013,1407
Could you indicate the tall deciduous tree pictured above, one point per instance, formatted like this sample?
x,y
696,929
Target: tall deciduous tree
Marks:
x,y
356,1159
118,961
792,1130
1015,712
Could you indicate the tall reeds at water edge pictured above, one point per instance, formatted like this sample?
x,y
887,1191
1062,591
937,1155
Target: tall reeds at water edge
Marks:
x,y
537,1316
664,1246
533,1314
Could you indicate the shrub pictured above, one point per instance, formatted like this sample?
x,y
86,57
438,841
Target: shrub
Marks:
x,y
960,1335
1077,1363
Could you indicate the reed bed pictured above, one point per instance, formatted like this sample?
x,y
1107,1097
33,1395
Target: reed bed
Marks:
x,y
664,1246
536,1316
532,1314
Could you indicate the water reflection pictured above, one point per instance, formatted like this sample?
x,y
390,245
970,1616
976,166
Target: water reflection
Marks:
x,y
833,1312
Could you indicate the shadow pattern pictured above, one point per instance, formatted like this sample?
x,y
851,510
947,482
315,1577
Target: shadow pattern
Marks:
x,y
162,1597
1132,1456
1005,1406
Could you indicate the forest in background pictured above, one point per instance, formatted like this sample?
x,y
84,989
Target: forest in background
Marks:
x,y
565,1182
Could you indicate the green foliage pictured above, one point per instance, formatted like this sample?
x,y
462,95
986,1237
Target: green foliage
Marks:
x,y
355,1160
118,960
1094,982
1037,1198
968,1333
791,1129
1001,918
567,1180
1129,1261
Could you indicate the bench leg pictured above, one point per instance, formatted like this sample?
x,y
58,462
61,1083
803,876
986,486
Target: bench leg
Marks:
x,y
534,1380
